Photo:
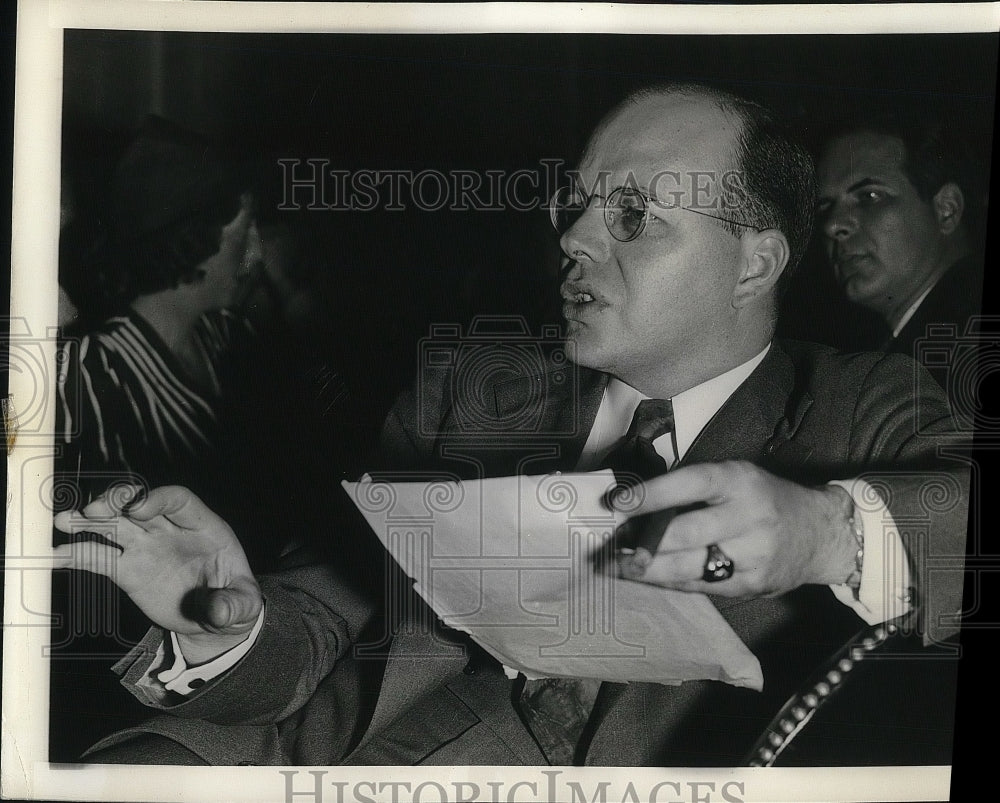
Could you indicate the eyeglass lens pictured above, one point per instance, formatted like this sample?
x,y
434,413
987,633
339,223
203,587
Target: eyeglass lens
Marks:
x,y
624,211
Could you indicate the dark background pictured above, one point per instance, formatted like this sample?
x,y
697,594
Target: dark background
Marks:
x,y
482,102
493,102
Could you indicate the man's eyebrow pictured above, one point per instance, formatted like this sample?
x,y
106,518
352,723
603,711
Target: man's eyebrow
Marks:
x,y
861,184
865,182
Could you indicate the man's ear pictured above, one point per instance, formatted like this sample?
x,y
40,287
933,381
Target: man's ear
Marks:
x,y
949,204
765,255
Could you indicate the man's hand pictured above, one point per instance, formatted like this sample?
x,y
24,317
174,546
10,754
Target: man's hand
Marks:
x,y
177,560
779,534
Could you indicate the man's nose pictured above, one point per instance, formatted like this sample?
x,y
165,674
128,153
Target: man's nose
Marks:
x,y
588,237
839,223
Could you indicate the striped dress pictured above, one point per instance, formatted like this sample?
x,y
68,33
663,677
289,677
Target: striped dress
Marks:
x,y
127,411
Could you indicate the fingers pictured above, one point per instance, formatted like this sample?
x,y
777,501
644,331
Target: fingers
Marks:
x,y
103,515
64,522
703,482
130,510
88,556
115,501
683,570
118,530
72,521
173,502
233,609
679,562
678,568
229,610
640,538
699,528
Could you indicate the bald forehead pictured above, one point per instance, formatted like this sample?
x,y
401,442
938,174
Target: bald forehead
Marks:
x,y
667,131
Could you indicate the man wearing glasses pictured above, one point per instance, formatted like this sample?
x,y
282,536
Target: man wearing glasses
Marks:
x,y
758,446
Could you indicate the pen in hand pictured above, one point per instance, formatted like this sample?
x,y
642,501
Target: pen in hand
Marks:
x,y
637,540
634,543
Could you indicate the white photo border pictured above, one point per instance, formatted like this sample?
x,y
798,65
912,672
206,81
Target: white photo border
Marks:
x,y
38,82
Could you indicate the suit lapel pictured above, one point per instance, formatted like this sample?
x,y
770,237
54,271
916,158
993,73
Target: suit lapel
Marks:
x,y
758,420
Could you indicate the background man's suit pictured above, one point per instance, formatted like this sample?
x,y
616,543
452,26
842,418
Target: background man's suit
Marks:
x,y
805,413
955,298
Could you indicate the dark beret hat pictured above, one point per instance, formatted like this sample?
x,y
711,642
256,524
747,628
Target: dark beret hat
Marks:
x,y
168,174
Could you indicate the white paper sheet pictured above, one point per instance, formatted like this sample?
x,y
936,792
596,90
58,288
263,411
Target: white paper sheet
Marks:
x,y
509,561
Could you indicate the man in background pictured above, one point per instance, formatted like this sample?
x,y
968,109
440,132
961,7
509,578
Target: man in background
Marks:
x,y
898,208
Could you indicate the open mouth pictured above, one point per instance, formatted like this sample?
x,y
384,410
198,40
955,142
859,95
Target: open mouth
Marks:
x,y
577,293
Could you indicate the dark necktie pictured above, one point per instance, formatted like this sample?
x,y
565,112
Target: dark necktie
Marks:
x,y
635,458
557,709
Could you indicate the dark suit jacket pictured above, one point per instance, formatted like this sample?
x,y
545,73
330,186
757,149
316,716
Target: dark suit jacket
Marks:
x,y
805,413
957,297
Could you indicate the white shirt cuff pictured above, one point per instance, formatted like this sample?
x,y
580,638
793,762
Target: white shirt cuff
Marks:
x,y
181,679
885,591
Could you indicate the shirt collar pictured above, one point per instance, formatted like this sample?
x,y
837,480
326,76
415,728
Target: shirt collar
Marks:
x,y
909,312
693,409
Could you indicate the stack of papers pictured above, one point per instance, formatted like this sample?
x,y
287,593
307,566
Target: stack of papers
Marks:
x,y
511,562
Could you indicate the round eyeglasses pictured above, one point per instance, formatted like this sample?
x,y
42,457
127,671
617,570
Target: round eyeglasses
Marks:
x,y
626,211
